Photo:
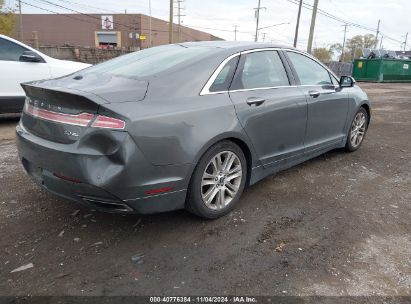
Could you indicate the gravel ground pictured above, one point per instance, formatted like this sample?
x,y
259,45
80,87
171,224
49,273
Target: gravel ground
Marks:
x,y
339,224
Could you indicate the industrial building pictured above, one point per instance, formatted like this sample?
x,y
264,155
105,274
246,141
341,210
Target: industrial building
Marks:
x,y
103,30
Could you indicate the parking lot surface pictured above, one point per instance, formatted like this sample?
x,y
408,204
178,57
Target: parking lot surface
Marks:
x,y
339,224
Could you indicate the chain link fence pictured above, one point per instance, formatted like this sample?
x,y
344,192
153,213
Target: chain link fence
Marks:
x,y
87,55
340,68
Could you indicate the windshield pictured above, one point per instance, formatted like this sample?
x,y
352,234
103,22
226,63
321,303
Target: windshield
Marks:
x,y
149,61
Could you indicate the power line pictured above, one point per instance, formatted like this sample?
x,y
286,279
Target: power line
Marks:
x,y
221,30
90,6
326,14
341,20
80,13
54,12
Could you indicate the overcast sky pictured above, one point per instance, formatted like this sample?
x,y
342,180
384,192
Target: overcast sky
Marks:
x,y
220,16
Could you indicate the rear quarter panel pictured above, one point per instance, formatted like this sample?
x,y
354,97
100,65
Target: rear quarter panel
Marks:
x,y
174,124
182,129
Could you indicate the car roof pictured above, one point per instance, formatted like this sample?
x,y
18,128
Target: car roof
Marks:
x,y
233,45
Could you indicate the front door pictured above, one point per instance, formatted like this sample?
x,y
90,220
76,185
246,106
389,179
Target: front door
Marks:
x,y
272,112
327,103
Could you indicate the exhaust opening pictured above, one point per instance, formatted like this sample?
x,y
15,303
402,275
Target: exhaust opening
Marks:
x,y
106,204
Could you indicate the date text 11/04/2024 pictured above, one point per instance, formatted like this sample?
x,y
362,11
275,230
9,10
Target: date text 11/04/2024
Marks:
x,y
203,299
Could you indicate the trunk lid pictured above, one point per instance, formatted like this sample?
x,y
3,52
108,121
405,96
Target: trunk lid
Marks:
x,y
76,97
109,88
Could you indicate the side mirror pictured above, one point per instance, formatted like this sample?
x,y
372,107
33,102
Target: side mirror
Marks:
x,y
347,82
30,56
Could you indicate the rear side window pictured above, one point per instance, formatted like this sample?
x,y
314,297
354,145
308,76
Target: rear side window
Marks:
x,y
10,51
261,70
224,78
309,71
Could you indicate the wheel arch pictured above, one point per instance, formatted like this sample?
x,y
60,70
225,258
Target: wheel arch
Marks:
x,y
240,140
367,107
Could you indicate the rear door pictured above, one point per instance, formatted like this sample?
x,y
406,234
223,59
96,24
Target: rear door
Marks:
x,y
271,110
327,103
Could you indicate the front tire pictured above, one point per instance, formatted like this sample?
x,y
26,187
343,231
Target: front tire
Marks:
x,y
357,131
218,181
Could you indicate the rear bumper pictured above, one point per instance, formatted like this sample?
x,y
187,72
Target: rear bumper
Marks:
x,y
113,179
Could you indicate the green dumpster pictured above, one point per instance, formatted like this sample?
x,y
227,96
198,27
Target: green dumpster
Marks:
x,y
382,70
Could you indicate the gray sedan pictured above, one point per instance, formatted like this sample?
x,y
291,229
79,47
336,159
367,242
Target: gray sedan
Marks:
x,y
185,126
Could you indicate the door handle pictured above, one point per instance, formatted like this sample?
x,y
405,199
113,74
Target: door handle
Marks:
x,y
255,101
314,94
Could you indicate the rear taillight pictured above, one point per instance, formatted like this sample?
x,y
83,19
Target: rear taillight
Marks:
x,y
82,119
108,123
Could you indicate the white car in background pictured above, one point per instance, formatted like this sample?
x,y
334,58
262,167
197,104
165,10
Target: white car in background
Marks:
x,y
21,63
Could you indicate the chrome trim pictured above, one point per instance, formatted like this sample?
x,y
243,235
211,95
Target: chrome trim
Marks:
x,y
263,88
206,88
261,50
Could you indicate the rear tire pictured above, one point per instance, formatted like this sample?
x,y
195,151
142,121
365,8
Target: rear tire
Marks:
x,y
218,181
357,131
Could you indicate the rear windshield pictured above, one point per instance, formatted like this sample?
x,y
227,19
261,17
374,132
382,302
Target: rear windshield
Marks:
x,y
149,61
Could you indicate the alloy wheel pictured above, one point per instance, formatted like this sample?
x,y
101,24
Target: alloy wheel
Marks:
x,y
358,129
221,180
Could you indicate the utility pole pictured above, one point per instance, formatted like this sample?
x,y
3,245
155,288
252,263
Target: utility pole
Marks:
x,y
378,32
381,42
179,20
298,23
405,42
312,26
150,33
20,23
170,23
257,16
179,15
264,36
235,32
35,39
343,45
